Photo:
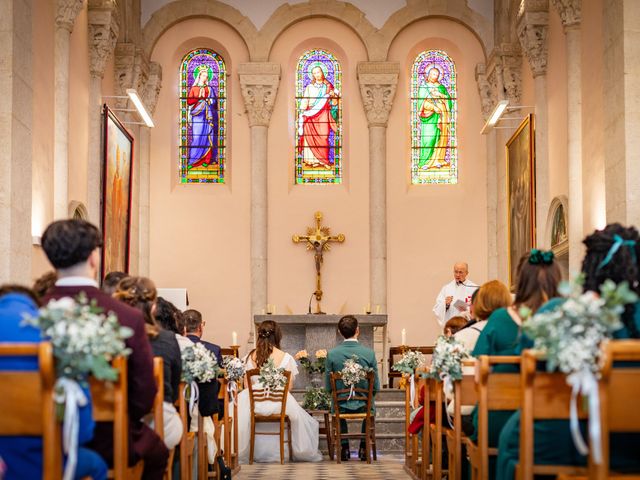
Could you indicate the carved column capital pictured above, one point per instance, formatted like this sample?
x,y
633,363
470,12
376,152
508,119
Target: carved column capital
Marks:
x,y
104,25
486,92
131,70
66,13
533,27
570,12
152,88
378,81
259,84
504,72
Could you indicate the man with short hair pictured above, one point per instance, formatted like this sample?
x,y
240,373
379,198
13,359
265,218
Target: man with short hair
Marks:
x,y
72,247
454,298
111,281
350,331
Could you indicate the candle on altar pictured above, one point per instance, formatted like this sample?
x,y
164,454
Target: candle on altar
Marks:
x,y
234,338
377,308
404,337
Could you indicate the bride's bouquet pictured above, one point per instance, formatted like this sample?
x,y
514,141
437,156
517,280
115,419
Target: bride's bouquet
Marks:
x,y
271,377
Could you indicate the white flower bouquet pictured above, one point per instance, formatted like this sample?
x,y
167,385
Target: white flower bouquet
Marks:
x,y
570,338
411,360
446,362
199,364
353,373
271,377
234,370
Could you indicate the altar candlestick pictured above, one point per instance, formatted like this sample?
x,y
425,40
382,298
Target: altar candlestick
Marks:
x,y
404,337
234,338
377,308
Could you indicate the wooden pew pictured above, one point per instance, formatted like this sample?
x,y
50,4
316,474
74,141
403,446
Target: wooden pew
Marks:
x,y
496,391
619,389
110,404
187,442
464,392
27,403
435,429
417,456
545,396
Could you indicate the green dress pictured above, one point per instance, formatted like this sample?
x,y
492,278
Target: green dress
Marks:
x,y
553,444
500,337
430,126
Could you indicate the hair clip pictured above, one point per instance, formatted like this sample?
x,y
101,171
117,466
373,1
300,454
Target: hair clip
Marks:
x,y
541,257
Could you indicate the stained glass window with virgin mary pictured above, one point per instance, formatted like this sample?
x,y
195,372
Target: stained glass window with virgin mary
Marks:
x,y
203,100
434,113
318,127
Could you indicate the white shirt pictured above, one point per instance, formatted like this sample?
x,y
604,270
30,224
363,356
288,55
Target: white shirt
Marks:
x,y
76,282
469,335
459,291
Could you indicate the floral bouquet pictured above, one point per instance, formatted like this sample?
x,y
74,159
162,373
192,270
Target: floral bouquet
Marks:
x,y
353,373
199,365
84,342
446,363
316,398
570,337
271,377
407,366
312,366
234,370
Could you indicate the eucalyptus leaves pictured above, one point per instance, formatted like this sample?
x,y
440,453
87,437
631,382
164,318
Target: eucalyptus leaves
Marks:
x,y
271,377
409,362
199,364
446,363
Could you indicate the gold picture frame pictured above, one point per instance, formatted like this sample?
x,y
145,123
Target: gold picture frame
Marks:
x,y
521,193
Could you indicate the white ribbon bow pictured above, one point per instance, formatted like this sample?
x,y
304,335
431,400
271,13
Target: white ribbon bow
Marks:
x,y
351,392
194,395
448,390
584,382
412,389
69,393
232,388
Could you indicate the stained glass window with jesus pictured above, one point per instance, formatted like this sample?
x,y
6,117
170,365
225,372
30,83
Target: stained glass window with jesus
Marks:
x,y
318,128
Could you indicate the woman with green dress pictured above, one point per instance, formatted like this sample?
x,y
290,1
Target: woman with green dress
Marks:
x,y
611,253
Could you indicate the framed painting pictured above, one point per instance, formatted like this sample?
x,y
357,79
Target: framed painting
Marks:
x,y
521,193
117,170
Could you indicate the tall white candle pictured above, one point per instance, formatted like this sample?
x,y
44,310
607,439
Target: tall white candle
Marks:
x,y
404,337
234,338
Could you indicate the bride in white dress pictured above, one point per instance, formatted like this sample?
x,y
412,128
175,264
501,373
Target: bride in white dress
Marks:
x,y
304,428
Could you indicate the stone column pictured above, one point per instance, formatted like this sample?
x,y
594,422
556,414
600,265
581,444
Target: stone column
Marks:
x,y
621,31
259,83
66,13
103,33
378,81
570,14
150,98
16,111
533,22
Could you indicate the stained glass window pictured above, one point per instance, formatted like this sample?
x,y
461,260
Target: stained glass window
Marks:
x,y
203,105
318,148
434,111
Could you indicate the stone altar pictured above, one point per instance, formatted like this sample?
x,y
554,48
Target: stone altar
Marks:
x,y
314,332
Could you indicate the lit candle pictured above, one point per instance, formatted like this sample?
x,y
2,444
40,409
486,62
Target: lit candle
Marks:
x,y
274,309
234,338
404,337
377,308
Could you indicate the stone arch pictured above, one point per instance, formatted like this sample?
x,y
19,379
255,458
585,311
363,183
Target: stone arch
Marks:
x,y
180,10
287,15
456,10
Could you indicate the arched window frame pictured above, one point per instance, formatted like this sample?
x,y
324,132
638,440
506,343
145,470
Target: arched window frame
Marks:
x,y
303,174
443,170
217,78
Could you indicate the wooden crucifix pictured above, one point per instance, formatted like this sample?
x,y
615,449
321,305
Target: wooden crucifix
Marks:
x,y
318,239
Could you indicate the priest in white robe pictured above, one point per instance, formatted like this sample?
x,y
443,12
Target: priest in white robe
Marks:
x,y
454,298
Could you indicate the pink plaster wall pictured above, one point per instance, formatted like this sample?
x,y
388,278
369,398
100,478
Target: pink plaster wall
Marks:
x,y
430,227
199,237
593,98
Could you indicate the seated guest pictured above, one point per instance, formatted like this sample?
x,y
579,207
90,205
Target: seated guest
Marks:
x,y
111,281
166,315
72,247
538,276
140,293
606,258
42,285
23,455
488,298
348,328
454,325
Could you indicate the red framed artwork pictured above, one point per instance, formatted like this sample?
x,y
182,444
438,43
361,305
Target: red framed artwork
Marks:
x,y
117,170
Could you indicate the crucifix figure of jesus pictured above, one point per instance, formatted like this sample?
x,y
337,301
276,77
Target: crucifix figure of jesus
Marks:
x,y
318,239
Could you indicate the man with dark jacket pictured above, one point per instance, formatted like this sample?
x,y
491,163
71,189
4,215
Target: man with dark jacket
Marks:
x,y
72,247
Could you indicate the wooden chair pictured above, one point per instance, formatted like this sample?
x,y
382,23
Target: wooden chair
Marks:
x,y
619,396
464,392
110,404
187,442
401,350
361,394
157,409
435,429
229,441
27,404
417,454
496,391
258,395
545,396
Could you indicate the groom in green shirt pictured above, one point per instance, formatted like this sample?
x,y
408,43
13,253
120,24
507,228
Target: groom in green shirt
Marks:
x,y
348,328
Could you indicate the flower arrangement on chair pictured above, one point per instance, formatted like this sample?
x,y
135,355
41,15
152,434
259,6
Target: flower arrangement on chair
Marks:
x,y
199,365
407,365
446,362
84,342
234,370
271,377
353,373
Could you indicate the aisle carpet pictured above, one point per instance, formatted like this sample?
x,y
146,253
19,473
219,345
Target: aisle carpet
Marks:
x,y
352,470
